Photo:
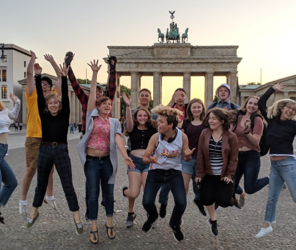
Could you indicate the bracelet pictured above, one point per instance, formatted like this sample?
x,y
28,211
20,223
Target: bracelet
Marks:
x,y
247,133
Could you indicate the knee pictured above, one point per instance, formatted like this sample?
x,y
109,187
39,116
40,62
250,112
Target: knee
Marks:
x,y
133,194
30,172
14,184
249,190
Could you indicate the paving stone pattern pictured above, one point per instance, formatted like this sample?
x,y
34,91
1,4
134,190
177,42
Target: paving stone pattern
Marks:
x,y
56,230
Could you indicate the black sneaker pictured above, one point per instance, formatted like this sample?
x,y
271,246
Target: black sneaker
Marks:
x,y
148,224
178,235
130,219
213,227
123,189
162,210
200,207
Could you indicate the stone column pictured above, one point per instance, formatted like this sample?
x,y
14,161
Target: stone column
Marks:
x,y
157,88
209,81
72,101
77,108
135,87
116,112
286,94
187,85
232,82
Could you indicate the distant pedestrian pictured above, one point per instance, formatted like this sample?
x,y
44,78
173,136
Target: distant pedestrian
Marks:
x,y
71,128
75,127
79,127
16,127
20,126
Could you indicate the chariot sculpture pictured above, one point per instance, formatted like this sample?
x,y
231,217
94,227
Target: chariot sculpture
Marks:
x,y
172,34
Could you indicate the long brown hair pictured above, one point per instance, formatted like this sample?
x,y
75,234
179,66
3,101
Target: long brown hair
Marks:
x,y
228,116
189,113
136,123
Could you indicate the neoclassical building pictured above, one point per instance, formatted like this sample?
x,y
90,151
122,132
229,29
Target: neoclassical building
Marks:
x,y
257,90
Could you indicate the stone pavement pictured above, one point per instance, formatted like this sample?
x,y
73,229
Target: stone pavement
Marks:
x,y
56,230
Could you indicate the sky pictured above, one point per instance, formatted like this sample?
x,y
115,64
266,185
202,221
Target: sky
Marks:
x,y
264,31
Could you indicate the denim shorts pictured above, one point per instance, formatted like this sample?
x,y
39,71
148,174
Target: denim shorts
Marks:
x,y
141,167
189,167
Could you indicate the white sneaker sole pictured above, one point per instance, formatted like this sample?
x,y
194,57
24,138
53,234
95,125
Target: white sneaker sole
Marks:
x,y
211,228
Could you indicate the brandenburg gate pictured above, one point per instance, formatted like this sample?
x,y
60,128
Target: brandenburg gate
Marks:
x,y
175,59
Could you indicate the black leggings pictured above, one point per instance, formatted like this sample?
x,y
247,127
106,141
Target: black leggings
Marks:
x,y
213,190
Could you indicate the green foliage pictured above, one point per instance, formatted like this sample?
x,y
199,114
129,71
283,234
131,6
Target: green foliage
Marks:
x,y
216,99
151,104
82,81
127,91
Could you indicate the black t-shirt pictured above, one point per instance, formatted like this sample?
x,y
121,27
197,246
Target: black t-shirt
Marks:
x,y
140,138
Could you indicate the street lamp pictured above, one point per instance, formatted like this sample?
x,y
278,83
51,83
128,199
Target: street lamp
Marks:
x,y
3,57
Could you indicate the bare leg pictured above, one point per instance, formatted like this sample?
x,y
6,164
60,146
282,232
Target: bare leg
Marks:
x,y
26,182
111,232
34,212
186,178
49,190
211,211
133,191
77,217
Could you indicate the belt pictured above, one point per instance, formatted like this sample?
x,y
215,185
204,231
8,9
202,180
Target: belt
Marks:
x,y
53,144
98,157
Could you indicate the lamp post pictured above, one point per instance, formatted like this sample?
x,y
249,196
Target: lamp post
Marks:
x,y
3,57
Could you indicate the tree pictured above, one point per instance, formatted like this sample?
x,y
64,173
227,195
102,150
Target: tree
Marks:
x,y
216,99
82,81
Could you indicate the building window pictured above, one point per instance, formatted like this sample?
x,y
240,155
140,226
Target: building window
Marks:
x,y
25,74
293,98
4,92
4,75
25,64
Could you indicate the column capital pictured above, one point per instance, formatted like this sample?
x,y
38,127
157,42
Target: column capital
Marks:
x,y
209,72
134,72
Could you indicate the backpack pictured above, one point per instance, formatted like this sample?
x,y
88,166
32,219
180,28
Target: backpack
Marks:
x,y
264,148
231,105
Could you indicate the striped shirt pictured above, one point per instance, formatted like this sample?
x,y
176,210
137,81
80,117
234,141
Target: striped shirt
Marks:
x,y
215,152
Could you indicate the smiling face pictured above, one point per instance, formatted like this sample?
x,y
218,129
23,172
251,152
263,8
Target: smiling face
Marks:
x,y
162,124
252,105
105,108
46,88
288,111
144,98
223,93
53,105
196,109
142,117
214,122
99,94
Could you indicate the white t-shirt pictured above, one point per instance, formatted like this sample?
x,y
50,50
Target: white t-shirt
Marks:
x,y
6,115
169,154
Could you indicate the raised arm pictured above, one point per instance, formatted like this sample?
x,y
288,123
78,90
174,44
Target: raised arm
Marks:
x,y
111,84
92,95
30,74
128,113
12,114
185,148
40,99
65,96
263,99
56,68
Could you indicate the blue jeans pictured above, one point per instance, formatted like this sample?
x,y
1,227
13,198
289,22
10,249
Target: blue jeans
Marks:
x,y
249,166
6,176
174,179
141,167
96,170
281,171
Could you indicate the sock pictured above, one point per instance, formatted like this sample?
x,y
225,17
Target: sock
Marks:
x,y
23,202
49,198
130,213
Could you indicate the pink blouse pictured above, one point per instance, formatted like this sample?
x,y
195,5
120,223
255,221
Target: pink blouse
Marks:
x,y
100,135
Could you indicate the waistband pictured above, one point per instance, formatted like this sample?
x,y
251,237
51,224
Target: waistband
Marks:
x,y
52,144
98,157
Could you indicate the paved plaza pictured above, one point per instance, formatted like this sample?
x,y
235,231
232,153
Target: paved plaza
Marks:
x,y
56,230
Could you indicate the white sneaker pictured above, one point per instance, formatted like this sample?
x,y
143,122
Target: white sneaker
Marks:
x,y
264,231
22,210
51,203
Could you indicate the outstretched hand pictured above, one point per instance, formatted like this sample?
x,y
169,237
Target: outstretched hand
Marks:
x,y
94,65
64,70
187,152
153,159
33,55
127,100
279,87
227,180
129,163
37,69
13,97
48,57
112,60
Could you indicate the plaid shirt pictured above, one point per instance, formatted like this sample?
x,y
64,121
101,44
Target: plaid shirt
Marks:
x,y
83,98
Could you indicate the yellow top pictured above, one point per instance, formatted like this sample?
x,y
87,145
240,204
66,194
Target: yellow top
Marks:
x,y
33,120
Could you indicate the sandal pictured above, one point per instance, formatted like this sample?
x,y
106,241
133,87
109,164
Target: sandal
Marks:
x,y
95,236
1,219
112,232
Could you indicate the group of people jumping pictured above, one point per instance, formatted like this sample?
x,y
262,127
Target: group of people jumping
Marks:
x,y
168,146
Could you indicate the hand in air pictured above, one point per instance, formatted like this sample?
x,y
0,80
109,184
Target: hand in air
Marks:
x,y
94,65
64,70
13,97
177,95
112,60
187,152
37,69
247,126
48,57
227,180
279,87
33,54
127,100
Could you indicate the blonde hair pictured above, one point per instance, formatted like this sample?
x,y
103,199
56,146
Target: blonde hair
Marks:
x,y
170,113
275,110
2,107
47,99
